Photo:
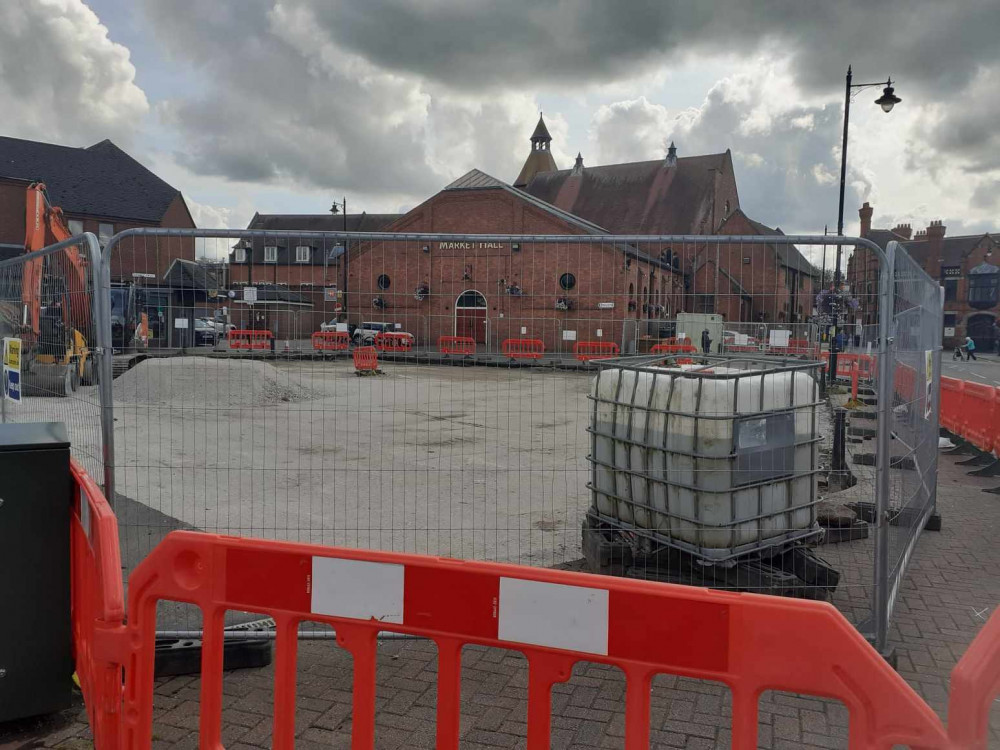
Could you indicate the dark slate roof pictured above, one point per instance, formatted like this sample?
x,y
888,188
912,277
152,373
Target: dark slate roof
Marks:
x,y
882,237
788,255
187,274
322,252
644,197
101,180
953,249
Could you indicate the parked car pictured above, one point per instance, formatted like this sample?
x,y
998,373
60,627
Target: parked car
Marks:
x,y
331,326
221,328
205,333
364,334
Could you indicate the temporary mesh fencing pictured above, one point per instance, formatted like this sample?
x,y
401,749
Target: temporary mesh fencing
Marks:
x,y
470,452
48,304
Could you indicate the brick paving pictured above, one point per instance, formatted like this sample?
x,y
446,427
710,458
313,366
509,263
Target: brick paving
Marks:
x,y
951,589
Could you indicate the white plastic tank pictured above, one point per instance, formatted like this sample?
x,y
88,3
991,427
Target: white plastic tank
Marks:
x,y
717,460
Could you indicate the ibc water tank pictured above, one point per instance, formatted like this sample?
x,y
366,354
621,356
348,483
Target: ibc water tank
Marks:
x,y
718,460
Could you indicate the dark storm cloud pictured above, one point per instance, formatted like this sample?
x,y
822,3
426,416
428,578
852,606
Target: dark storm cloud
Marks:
x,y
397,95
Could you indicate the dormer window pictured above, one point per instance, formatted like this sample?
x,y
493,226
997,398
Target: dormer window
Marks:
x,y
240,255
302,253
270,254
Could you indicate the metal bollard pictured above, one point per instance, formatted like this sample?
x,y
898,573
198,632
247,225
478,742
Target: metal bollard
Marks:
x,y
839,440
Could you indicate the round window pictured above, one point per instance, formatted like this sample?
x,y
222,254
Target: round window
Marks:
x,y
567,281
383,281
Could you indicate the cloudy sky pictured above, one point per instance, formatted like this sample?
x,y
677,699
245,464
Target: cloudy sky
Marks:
x,y
283,105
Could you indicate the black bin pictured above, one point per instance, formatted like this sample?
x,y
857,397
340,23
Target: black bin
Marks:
x,y
36,663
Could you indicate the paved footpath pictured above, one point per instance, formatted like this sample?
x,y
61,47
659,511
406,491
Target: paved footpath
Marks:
x,y
952,588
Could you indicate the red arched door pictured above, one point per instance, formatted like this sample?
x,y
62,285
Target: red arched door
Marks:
x,y
470,316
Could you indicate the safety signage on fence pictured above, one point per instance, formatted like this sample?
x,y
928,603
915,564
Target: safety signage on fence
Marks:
x,y
250,294
12,369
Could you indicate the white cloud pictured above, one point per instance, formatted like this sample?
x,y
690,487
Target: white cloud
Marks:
x,y
62,79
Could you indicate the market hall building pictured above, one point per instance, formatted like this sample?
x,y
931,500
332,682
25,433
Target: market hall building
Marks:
x,y
559,292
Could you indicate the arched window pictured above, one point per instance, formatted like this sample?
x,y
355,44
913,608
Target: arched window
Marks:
x,y
984,286
471,298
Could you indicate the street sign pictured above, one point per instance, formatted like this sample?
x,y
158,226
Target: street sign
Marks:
x,y
12,369
250,294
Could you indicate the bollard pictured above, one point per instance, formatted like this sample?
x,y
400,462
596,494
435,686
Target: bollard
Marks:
x,y
839,440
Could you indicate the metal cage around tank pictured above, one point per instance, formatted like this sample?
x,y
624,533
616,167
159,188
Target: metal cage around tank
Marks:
x,y
697,456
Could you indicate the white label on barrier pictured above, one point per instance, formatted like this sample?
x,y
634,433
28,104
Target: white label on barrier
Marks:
x,y
600,333
357,589
553,615
84,513
341,327
524,331
569,335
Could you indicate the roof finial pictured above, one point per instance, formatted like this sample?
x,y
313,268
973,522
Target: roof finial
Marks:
x,y
672,155
578,166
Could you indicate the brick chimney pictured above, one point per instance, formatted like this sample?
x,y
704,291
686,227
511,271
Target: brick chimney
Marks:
x,y
935,247
903,230
865,212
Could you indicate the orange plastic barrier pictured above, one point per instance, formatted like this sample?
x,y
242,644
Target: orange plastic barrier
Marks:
x,y
587,350
390,341
952,404
668,348
555,618
979,416
796,348
366,359
867,364
250,339
331,341
523,348
97,605
456,345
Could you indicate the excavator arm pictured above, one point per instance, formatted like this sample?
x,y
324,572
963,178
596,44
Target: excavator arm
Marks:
x,y
44,226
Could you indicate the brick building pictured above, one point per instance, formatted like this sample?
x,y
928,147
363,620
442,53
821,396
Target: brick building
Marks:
x,y
302,277
965,265
100,189
753,283
491,291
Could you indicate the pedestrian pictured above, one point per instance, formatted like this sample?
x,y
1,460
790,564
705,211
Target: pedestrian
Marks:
x,y
706,342
970,348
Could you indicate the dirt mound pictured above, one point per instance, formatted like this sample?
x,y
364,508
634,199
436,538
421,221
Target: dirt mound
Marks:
x,y
203,381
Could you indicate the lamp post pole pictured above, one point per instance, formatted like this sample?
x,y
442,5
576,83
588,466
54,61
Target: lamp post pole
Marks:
x,y
887,101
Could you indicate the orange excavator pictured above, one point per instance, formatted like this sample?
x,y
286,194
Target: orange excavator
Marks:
x,y
55,316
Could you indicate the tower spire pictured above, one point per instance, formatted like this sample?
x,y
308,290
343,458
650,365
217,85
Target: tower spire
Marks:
x,y
540,157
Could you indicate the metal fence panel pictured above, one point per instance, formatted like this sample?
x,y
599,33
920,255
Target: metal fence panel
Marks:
x,y
910,464
480,456
48,301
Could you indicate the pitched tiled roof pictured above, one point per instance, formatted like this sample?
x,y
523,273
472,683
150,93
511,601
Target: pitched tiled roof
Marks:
x,y
645,197
788,255
186,274
475,179
101,180
953,249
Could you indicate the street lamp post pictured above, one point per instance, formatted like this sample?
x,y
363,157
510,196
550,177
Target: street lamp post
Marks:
x,y
887,101
342,206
